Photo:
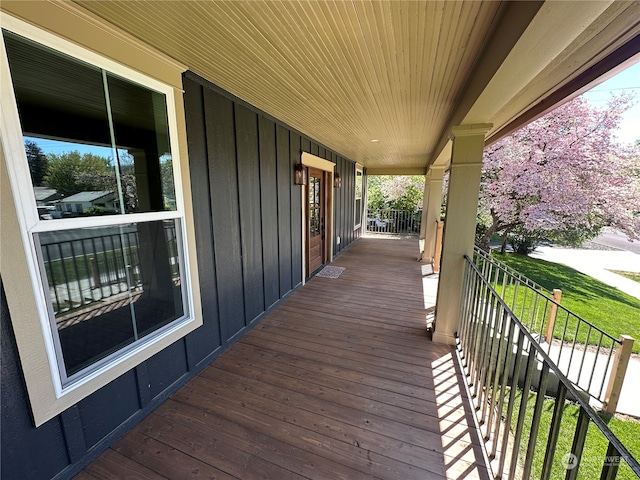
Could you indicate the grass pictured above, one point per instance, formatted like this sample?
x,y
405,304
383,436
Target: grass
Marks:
x,y
628,431
71,269
630,275
613,311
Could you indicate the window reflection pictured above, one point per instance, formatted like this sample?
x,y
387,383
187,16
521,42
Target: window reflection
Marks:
x,y
110,286
96,144
358,203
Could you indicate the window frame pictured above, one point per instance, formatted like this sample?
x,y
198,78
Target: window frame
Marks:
x,y
358,169
27,299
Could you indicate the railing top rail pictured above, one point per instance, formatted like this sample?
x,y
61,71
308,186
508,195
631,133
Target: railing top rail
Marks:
x,y
593,416
512,271
542,291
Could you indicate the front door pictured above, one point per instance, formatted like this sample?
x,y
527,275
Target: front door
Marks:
x,y
316,220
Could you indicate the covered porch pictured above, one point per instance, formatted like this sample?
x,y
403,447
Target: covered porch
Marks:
x,y
339,381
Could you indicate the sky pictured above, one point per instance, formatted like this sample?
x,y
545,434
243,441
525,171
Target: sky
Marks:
x,y
627,80
58,147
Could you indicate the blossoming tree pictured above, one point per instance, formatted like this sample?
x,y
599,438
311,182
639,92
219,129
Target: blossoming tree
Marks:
x,y
563,177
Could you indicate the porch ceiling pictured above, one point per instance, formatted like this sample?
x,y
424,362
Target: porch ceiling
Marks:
x,y
400,72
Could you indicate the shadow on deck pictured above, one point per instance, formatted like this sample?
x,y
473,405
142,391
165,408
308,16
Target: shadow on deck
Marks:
x,y
340,381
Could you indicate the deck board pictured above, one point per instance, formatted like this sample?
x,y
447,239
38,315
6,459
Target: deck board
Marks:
x,y
339,382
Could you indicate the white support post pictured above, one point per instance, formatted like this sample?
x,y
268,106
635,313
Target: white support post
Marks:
x,y
431,212
437,255
460,225
424,255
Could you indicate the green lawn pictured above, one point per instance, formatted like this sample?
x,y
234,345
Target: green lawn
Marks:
x,y
607,307
631,275
628,431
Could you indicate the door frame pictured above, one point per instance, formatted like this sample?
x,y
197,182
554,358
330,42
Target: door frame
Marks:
x,y
328,167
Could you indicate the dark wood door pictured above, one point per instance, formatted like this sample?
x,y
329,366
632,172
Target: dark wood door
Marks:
x,y
316,220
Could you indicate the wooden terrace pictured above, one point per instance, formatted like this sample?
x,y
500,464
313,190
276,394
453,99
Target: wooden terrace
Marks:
x,y
339,382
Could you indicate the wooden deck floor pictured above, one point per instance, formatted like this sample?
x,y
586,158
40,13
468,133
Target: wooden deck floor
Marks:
x,y
339,382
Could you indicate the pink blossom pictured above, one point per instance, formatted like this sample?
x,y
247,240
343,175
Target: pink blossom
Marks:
x,y
564,171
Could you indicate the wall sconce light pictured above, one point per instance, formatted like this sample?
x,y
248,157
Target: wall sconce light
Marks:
x,y
300,174
337,181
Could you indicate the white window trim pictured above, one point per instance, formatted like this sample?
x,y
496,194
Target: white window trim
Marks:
x,y
21,279
359,168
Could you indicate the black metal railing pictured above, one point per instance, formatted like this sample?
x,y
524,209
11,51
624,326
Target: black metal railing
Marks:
x,y
582,350
87,270
504,364
400,222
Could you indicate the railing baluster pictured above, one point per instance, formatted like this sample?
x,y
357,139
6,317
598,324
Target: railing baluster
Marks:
x,y
534,315
121,264
77,272
492,361
498,364
87,268
478,359
470,314
65,277
593,370
611,463
506,371
564,335
486,352
524,306
505,277
584,354
96,264
516,287
522,412
573,348
535,421
106,261
579,437
477,308
49,262
515,374
464,314
554,432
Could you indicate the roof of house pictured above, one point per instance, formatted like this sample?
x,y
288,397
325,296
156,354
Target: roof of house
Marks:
x,y
44,193
89,196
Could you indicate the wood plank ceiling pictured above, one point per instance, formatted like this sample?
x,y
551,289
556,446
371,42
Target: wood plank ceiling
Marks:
x,y
377,81
344,73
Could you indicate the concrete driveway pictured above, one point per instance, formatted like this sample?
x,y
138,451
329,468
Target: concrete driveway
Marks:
x,y
597,264
615,239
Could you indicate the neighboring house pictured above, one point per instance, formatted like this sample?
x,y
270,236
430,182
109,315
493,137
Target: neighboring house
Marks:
x,y
46,200
82,201
45,195
244,96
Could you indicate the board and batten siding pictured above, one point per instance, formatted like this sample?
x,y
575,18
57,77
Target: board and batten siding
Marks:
x,y
248,233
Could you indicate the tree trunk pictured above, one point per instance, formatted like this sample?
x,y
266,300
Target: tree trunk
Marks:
x,y
505,236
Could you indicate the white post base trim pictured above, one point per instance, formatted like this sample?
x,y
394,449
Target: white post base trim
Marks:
x,y
445,338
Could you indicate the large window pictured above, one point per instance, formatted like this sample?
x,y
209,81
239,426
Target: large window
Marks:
x,y
358,197
105,223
